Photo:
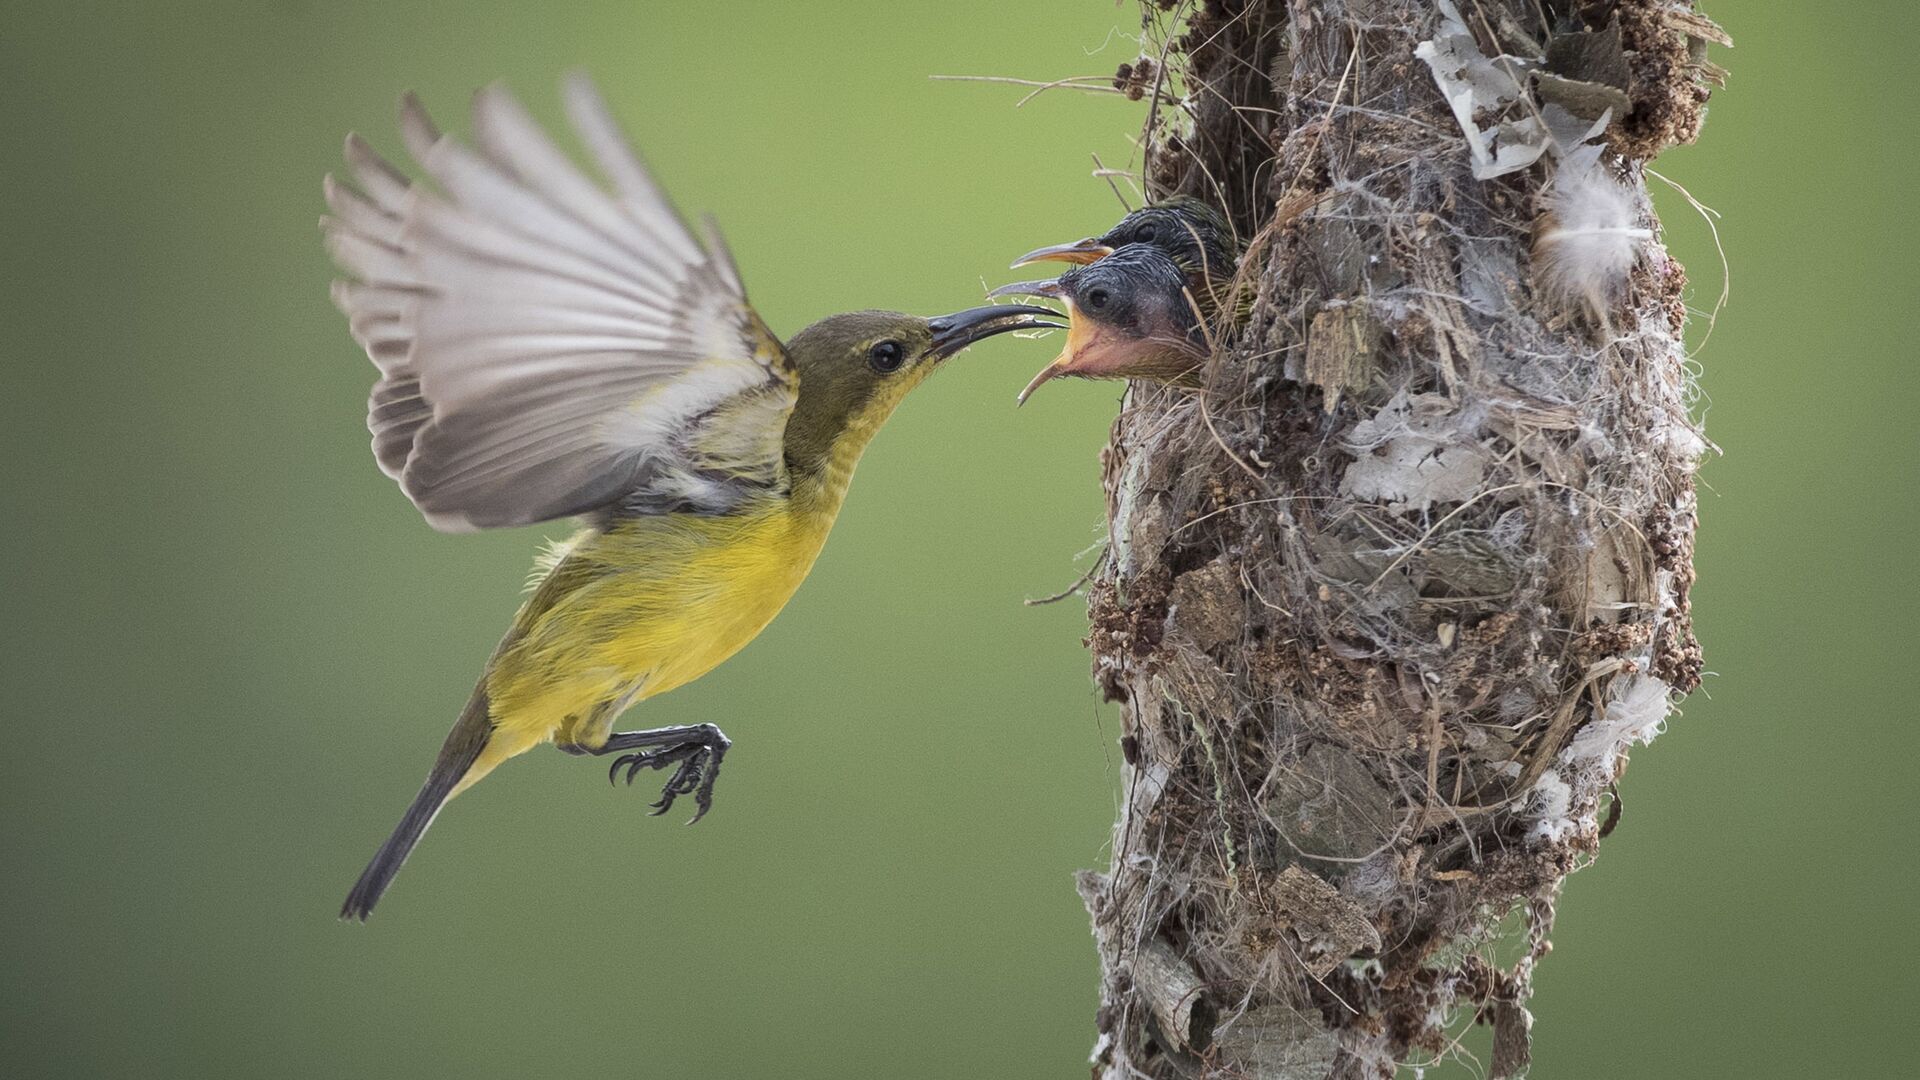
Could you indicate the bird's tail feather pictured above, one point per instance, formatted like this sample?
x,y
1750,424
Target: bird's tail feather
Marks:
x,y
458,756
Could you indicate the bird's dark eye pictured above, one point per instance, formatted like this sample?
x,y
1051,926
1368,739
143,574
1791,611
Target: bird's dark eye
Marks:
x,y
886,357
1097,299
1146,234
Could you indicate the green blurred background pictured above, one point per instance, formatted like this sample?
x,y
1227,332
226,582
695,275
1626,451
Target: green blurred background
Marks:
x,y
232,647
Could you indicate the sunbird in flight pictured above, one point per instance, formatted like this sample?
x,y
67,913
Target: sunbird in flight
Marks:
x,y
1138,294
550,349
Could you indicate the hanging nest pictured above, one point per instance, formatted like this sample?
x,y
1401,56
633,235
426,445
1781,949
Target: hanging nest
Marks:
x,y
1388,601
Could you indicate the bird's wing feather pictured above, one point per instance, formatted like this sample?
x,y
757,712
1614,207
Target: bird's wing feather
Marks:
x,y
546,347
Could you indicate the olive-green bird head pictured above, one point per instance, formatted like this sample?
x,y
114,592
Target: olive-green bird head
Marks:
x,y
855,368
1190,231
1131,317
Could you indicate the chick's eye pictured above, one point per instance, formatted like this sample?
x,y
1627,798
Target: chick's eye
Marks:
x,y
1097,299
886,357
1146,234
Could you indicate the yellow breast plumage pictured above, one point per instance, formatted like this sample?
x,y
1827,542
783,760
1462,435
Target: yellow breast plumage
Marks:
x,y
642,608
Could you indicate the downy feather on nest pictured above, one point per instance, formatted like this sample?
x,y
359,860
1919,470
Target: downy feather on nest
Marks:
x,y
1586,240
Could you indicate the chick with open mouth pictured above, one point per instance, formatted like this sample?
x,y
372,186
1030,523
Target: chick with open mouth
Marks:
x,y
1130,315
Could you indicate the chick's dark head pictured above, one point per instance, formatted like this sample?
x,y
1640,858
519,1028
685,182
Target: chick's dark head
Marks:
x,y
1191,232
1132,316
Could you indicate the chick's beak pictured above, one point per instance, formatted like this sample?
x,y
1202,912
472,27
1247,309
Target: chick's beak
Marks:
x,y
1047,287
1080,253
954,332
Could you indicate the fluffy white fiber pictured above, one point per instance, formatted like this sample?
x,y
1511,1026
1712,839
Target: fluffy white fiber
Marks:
x,y
1636,709
1553,809
1588,241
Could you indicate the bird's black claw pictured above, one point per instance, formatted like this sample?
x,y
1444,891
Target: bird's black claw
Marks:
x,y
699,768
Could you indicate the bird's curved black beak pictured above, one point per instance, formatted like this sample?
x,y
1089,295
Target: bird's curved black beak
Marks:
x,y
954,332
1080,253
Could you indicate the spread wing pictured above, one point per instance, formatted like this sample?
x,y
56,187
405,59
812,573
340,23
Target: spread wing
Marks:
x,y
547,347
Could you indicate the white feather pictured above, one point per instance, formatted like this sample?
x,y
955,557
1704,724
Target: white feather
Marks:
x,y
1589,241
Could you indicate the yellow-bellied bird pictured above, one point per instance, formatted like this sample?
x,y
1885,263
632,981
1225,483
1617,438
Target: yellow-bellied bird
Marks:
x,y
548,348
1130,318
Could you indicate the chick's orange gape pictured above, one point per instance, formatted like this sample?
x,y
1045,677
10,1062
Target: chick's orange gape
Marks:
x,y
549,348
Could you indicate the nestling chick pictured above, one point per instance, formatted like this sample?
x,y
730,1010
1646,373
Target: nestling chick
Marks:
x,y
1191,232
1131,315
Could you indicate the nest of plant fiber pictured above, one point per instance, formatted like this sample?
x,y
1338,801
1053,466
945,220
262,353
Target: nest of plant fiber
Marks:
x,y
1389,599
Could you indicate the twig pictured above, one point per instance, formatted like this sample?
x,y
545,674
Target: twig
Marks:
x,y
1074,588
1100,169
1092,84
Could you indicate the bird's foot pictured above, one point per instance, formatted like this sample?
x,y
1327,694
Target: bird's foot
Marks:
x,y
696,758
